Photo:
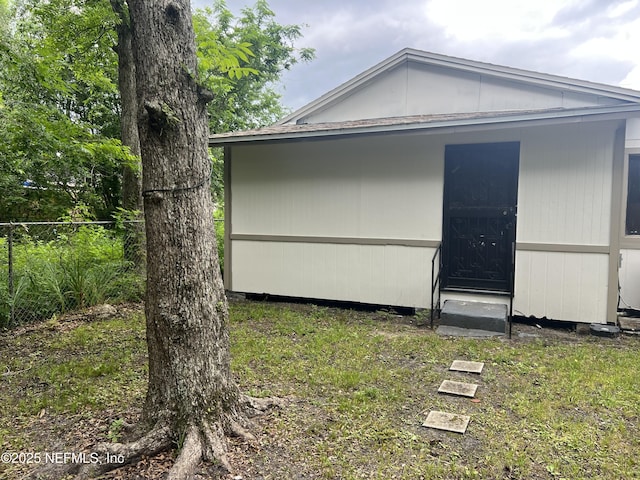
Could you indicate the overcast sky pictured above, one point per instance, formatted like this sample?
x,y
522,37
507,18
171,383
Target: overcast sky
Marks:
x,y
596,40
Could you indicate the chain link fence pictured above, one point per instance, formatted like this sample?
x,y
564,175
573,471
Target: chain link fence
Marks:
x,y
54,267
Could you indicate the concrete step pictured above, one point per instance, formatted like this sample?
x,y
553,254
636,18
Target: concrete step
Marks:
x,y
492,317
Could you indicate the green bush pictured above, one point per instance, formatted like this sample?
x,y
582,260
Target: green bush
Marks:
x,y
65,268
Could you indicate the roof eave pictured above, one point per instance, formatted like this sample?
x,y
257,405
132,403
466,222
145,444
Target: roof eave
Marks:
x,y
457,125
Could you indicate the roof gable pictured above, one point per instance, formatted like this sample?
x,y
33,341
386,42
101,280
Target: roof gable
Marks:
x,y
413,82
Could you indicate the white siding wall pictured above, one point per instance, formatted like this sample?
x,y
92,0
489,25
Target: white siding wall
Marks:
x,y
391,187
378,274
629,274
630,279
564,192
381,188
386,96
633,133
562,286
416,89
565,198
369,188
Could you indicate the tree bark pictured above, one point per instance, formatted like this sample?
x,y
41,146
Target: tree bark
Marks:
x,y
192,400
190,385
134,241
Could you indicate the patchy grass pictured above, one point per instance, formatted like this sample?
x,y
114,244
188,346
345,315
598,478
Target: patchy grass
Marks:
x,y
359,387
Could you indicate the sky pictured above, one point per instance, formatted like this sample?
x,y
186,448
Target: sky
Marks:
x,y
594,40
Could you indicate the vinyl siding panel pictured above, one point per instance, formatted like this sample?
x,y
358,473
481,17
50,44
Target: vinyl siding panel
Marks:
x,y
562,286
378,274
371,188
386,96
391,187
564,192
633,133
414,89
630,279
435,89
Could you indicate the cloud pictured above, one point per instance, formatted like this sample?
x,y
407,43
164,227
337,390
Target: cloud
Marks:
x,y
587,39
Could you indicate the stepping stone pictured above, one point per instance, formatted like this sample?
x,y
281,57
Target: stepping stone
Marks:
x,y
464,366
450,422
458,388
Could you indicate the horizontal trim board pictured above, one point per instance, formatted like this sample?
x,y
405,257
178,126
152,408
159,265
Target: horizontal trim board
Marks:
x,y
534,247
630,243
563,248
336,240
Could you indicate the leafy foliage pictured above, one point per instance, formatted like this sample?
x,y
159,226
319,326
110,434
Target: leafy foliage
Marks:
x,y
59,115
60,106
61,268
241,60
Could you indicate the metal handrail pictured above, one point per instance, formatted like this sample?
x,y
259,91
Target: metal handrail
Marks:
x,y
512,285
435,282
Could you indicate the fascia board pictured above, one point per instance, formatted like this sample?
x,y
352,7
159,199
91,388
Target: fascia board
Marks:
x,y
530,119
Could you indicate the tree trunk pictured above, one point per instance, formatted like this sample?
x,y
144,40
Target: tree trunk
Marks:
x,y
190,385
134,241
192,400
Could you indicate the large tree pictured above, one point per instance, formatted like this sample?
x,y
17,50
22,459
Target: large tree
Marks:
x,y
192,399
191,392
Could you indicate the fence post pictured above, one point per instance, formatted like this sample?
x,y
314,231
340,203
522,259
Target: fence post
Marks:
x,y
11,292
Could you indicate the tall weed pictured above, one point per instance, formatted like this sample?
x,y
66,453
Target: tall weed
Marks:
x,y
64,270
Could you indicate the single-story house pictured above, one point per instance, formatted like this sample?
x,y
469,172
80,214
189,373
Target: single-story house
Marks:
x,y
483,182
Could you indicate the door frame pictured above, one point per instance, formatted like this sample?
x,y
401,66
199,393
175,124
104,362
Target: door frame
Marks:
x,y
510,154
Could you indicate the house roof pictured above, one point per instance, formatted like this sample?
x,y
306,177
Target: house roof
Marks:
x,y
295,127
497,71
416,123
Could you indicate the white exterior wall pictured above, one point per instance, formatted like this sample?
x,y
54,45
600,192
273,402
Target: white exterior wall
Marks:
x,y
417,89
629,277
377,274
564,199
564,191
357,189
351,188
633,133
562,286
391,187
629,273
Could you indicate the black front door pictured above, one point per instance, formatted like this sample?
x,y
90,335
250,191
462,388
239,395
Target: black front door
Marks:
x,y
480,198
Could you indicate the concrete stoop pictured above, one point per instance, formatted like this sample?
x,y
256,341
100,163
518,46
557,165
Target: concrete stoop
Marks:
x,y
491,317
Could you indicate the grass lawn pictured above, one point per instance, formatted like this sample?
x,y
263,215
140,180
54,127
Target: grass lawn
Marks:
x,y
358,387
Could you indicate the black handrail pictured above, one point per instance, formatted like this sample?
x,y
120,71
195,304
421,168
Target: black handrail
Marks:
x,y
512,285
435,282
